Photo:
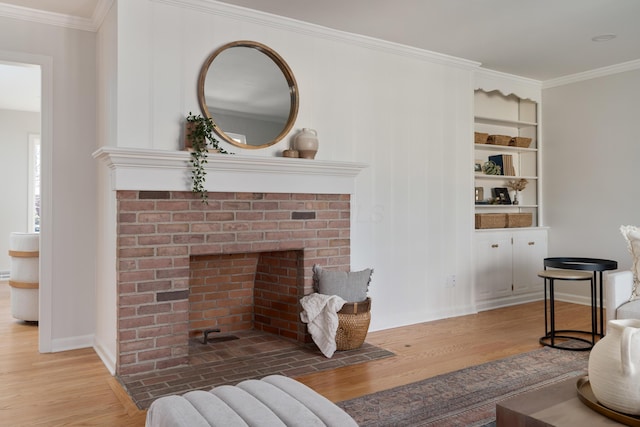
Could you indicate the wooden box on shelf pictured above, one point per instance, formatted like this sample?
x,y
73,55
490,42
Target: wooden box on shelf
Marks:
x,y
520,141
499,139
491,220
480,137
519,220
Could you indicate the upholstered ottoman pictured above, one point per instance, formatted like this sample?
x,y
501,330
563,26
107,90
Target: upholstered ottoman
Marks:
x,y
272,401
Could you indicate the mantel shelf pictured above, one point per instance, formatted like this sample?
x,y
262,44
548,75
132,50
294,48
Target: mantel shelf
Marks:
x,y
163,170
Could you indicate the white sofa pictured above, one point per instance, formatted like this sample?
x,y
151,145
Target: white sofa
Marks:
x,y
274,401
618,287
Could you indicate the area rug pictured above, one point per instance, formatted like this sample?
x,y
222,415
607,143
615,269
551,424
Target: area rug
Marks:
x,y
467,397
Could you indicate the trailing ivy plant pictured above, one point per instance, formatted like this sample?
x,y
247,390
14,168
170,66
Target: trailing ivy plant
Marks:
x,y
200,134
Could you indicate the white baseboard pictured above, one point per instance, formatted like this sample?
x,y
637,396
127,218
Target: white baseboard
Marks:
x,y
106,356
576,299
521,299
72,343
418,318
509,301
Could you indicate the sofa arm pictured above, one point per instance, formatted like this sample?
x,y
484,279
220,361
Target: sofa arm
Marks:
x,y
617,288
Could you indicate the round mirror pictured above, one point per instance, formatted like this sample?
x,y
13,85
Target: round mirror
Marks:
x,y
250,93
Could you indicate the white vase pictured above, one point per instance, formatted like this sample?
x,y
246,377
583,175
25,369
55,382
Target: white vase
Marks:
x,y
306,143
614,367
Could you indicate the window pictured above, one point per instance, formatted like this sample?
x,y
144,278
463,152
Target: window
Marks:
x,y
34,183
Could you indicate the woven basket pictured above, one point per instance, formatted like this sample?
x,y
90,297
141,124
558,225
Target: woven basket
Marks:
x,y
520,141
498,139
353,324
491,220
480,138
519,220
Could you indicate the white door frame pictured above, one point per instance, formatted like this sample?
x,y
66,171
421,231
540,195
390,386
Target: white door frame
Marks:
x,y
46,221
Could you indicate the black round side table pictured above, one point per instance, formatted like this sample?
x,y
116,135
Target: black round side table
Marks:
x,y
595,265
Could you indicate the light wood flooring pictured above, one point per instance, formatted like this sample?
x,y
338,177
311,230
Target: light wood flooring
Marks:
x,y
74,388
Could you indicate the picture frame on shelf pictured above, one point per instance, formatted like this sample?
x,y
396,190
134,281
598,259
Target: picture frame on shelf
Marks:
x,y
479,195
501,194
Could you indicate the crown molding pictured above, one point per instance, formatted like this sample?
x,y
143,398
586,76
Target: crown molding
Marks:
x,y
592,74
102,8
306,28
58,19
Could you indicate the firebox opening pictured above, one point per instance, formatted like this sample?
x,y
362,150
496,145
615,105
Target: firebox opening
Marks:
x,y
238,292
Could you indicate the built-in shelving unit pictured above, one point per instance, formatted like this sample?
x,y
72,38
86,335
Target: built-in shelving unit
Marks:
x,y
498,114
508,258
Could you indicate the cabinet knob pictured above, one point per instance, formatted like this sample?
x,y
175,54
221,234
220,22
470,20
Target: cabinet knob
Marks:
x,y
495,245
532,243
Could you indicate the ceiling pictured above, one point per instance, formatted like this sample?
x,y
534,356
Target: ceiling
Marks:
x,y
538,39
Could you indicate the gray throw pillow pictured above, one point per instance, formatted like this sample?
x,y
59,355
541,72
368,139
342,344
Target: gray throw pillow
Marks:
x,y
352,286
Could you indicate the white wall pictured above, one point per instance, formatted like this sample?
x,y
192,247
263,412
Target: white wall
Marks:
x,y
69,170
15,127
406,113
590,167
105,273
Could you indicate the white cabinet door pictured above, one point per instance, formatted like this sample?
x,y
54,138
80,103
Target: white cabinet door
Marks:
x,y
493,265
529,251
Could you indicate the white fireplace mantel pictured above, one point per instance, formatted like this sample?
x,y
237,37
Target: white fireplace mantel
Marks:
x,y
162,170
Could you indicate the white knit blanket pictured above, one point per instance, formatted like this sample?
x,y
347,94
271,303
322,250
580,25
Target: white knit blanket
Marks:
x,y
320,313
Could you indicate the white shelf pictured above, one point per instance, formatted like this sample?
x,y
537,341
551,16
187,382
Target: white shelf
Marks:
x,y
508,177
489,206
502,122
504,148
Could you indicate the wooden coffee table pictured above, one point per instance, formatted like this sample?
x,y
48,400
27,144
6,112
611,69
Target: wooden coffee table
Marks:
x,y
555,405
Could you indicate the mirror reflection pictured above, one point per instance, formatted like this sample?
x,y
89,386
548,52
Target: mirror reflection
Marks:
x,y
250,93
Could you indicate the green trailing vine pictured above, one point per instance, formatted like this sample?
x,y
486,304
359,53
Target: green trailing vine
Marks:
x,y
200,134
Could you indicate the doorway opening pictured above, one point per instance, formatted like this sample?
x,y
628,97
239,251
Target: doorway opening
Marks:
x,y
25,172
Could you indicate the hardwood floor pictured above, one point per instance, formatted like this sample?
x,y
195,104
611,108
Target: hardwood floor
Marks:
x,y
74,387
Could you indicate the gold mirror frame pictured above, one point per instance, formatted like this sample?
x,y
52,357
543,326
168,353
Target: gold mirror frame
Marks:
x,y
286,71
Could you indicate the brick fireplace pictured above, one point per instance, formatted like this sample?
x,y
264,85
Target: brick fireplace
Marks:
x,y
243,261
170,266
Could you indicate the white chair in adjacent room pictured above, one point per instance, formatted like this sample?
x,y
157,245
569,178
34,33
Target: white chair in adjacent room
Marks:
x,y
24,278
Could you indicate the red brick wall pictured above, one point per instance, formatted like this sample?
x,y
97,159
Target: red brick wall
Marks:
x,y
221,292
161,236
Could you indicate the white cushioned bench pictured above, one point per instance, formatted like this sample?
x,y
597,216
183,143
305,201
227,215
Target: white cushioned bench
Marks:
x,y
275,400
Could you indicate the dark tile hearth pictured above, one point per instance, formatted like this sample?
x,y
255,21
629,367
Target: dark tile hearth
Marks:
x,y
254,355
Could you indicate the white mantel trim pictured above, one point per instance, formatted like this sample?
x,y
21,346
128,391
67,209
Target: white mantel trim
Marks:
x,y
162,170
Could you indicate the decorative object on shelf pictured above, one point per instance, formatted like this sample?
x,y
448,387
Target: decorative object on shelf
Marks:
x,y
505,161
479,194
614,367
517,185
498,139
199,140
480,137
306,143
520,142
490,168
502,195
291,153
477,167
